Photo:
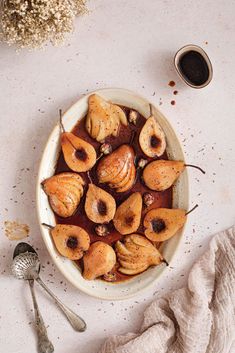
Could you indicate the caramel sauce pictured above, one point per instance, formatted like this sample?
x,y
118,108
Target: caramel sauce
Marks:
x,y
194,67
127,134
171,83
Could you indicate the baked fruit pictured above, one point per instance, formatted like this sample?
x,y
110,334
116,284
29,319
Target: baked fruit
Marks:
x,y
118,169
64,191
70,241
114,150
128,214
163,223
100,206
103,118
152,138
136,254
79,155
99,260
161,174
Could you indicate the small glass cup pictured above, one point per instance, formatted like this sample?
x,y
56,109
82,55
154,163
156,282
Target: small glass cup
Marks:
x,y
186,49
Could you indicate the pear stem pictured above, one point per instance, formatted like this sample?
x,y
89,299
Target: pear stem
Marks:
x,y
89,177
167,263
61,123
192,209
132,137
196,167
101,155
47,225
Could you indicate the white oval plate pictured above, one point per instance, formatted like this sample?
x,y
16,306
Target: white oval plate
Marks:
x,y
98,288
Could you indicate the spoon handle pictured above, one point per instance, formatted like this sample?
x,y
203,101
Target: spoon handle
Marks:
x,y
44,344
76,322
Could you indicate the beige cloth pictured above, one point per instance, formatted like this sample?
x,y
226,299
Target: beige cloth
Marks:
x,y
197,319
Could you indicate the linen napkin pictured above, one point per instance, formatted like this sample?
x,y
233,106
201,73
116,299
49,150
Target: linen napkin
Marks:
x,y
199,318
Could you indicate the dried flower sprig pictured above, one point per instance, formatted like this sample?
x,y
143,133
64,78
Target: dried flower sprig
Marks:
x,y
32,23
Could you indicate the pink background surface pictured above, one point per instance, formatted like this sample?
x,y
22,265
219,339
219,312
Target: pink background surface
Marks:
x,y
119,44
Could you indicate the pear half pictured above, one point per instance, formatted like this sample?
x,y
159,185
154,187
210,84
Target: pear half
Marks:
x,y
79,155
128,214
163,223
152,138
70,241
161,174
99,260
136,254
100,206
103,118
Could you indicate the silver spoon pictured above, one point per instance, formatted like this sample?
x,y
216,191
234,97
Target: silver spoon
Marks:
x,y
31,270
20,267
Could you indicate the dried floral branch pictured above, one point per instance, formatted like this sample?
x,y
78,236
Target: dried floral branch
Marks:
x,y
32,23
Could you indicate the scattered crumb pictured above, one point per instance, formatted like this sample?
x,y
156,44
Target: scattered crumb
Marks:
x,y
206,42
172,102
175,93
171,83
15,230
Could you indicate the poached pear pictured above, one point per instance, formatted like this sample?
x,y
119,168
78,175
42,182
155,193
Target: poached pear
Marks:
x,y
64,191
118,169
79,155
99,260
130,182
103,118
128,214
100,206
152,138
161,174
163,223
136,254
70,241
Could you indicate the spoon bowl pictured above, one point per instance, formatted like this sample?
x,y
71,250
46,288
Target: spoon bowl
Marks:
x,y
22,248
26,265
